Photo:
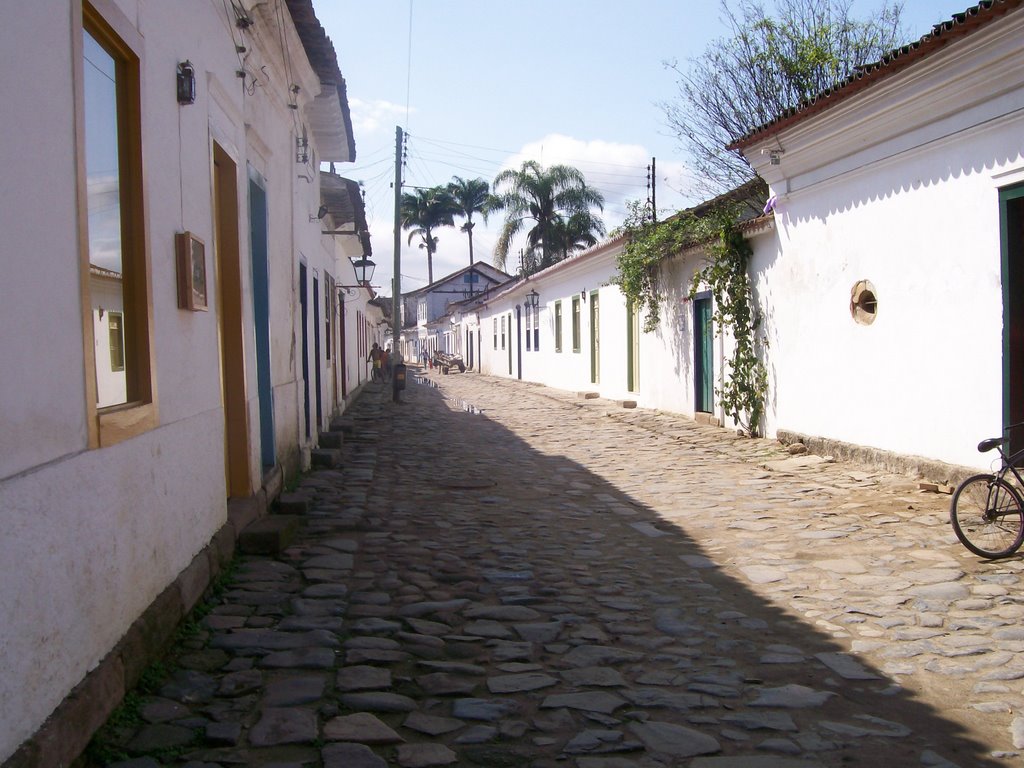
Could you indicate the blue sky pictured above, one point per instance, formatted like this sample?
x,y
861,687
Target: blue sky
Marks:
x,y
480,85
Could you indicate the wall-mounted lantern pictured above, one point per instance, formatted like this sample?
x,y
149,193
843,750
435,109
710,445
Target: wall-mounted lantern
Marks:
x,y
186,83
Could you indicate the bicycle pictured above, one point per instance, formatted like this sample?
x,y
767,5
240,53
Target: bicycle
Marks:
x,y
986,511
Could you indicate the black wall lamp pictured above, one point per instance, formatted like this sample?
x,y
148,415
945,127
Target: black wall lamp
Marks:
x,y
364,274
533,299
186,83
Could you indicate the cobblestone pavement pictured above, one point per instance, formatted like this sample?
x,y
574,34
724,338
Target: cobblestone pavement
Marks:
x,y
504,575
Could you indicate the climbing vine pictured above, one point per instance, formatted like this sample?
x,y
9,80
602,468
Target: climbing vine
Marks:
x,y
744,384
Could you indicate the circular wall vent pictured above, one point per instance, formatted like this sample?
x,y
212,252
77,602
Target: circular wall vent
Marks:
x,y
864,302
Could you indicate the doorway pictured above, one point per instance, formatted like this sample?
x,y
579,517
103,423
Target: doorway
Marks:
x,y
228,274
1011,236
703,355
261,315
632,347
595,339
304,323
519,342
317,360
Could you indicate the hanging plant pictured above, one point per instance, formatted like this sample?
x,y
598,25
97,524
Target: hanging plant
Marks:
x,y
744,384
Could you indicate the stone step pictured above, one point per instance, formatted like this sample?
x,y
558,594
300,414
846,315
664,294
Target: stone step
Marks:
x,y
332,439
291,503
329,458
269,535
344,424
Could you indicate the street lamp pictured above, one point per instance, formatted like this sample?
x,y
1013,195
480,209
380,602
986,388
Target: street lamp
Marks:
x,y
364,270
364,273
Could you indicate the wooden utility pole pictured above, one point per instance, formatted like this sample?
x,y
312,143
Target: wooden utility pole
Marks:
x,y
396,281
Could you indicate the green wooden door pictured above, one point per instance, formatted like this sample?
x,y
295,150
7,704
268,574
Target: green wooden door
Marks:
x,y
632,347
595,339
703,359
1011,235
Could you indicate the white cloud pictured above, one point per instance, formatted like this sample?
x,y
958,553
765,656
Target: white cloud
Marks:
x,y
368,117
556,149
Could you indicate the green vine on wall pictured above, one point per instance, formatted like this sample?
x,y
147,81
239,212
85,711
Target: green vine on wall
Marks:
x,y
744,385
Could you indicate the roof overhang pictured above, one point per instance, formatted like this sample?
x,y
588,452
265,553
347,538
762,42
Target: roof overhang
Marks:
x,y
897,60
329,115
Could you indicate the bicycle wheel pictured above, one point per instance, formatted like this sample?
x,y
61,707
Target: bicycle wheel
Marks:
x,y
987,516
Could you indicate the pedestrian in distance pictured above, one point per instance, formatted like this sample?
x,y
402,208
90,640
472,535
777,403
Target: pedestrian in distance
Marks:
x,y
375,358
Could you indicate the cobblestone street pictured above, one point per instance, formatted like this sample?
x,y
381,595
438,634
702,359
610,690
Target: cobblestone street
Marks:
x,y
502,574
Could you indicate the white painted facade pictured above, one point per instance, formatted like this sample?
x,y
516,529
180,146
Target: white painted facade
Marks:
x,y
426,325
899,185
659,375
94,530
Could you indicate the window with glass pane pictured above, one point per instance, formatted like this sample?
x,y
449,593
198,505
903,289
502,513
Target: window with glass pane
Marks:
x,y
536,329
116,341
103,194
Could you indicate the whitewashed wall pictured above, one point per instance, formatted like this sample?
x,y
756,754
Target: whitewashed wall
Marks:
x,y
91,537
899,187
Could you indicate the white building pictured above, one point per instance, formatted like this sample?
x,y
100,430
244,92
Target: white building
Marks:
x,y
888,278
892,292
168,304
425,322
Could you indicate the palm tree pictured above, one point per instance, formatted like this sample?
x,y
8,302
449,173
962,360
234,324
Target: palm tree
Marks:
x,y
576,233
422,212
470,196
543,196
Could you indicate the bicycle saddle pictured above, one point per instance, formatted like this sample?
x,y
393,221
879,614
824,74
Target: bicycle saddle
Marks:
x,y
987,445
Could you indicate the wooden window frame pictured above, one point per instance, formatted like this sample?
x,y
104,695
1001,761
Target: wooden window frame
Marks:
x,y
114,366
576,324
114,31
558,326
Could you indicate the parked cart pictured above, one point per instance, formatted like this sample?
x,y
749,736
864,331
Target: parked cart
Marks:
x,y
446,362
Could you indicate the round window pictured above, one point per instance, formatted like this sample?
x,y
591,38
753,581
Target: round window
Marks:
x,y
864,302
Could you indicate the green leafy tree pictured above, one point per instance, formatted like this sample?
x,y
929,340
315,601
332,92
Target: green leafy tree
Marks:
x,y
470,196
764,67
422,212
535,199
578,232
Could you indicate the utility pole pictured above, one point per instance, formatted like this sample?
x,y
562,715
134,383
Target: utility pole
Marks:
x,y
396,281
654,185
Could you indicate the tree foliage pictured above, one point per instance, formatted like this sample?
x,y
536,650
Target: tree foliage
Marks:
x,y
764,67
422,212
470,196
554,207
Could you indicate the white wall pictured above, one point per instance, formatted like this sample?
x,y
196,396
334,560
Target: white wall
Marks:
x,y
92,536
899,187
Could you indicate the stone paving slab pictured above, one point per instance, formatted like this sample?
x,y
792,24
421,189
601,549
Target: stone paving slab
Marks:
x,y
500,574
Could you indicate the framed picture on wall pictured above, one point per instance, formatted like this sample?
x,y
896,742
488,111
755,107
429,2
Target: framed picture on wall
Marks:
x,y
191,272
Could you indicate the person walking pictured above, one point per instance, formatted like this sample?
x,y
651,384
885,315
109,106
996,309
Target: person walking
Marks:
x,y
375,358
